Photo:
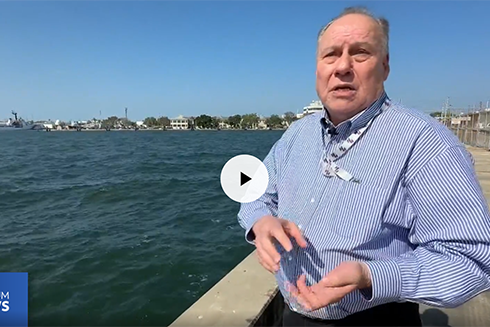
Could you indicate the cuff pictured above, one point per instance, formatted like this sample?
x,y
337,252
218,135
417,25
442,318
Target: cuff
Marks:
x,y
249,234
386,281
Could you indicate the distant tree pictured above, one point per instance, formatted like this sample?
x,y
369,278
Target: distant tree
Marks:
x,y
440,114
113,119
205,121
289,117
127,123
274,121
250,120
215,122
110,121
191,123
163,121
234,121
150,121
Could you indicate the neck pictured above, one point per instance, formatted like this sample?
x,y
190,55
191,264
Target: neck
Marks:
x,y
338,119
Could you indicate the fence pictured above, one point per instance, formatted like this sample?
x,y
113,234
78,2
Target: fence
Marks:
x,y
477,137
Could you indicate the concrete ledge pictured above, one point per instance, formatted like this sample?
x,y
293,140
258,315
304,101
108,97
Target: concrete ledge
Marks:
x,y
241,298
248,296
472,313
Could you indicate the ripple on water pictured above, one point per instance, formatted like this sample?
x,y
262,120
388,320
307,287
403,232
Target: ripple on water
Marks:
x,y
120,228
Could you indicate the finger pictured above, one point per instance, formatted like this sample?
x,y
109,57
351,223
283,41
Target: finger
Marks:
x,y
271,250
294,293
306,297
282,238
264,250
335,279
294,231
337,289
266,262
336,294
301,284
265,265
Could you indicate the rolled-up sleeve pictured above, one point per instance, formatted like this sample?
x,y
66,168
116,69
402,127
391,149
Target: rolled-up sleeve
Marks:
x,y
451,233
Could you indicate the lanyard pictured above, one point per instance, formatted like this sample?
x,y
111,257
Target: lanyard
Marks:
x,y
330,168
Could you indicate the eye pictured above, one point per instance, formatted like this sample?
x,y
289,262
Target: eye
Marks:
x,y
361,54
331,56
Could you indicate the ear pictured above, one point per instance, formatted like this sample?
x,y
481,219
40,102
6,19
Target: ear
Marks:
x,y
386,65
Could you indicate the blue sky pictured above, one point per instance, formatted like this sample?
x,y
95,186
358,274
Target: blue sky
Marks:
x,y
72,60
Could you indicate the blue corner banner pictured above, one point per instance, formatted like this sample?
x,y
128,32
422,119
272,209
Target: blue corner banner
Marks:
x,y
13,299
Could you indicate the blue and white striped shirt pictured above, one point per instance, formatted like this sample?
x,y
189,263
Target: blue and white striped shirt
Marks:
x,y
418,217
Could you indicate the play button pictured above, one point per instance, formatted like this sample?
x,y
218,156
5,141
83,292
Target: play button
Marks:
x,y
244,178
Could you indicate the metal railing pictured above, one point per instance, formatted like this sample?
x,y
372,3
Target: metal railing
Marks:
x,y
477,137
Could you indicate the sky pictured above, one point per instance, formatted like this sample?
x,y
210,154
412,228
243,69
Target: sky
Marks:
x,y
77,60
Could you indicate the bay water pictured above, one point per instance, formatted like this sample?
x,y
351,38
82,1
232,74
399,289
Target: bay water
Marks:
x,y
120,228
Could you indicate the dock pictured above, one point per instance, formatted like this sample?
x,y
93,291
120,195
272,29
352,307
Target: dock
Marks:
x,y
248,296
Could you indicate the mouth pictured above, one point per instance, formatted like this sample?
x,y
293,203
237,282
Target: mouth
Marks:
x,y
344,87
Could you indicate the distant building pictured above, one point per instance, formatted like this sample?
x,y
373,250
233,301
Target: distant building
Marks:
x,y
223,122
180,122
262,123
460,121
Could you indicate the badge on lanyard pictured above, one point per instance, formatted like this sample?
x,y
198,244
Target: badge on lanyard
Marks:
x,y
331,169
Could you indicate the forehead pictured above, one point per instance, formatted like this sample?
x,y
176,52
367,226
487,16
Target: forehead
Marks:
x,y
351,28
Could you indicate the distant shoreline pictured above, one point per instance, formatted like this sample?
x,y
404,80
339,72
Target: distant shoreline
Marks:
x,y
160,130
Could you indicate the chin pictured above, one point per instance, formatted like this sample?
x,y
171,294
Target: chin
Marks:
x,y
340,104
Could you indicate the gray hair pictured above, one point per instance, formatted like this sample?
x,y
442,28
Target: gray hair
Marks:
x,y
381,21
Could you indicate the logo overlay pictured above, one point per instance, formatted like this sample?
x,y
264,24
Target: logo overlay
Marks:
x,y
13,299
244,178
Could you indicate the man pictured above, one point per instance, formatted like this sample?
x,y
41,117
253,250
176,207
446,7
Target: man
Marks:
x,y
371,207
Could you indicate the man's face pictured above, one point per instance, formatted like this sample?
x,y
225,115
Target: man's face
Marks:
x,y
351,66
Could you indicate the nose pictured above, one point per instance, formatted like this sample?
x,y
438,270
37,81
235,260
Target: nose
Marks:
x,y
344,65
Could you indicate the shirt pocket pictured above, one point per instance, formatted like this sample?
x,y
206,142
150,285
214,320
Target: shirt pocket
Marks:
x,y
358,211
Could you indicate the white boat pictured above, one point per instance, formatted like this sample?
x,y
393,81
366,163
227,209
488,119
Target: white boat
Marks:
x,y
313,107
16,124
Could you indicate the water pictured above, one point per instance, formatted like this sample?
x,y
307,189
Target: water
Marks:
x,y
120,228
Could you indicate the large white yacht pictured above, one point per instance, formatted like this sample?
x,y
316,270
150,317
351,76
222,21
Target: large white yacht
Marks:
x,y
314,106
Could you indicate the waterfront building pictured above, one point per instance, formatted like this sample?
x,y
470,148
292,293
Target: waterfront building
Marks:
x,y
180,122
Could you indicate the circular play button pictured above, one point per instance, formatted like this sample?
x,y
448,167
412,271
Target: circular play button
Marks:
x,y
244,178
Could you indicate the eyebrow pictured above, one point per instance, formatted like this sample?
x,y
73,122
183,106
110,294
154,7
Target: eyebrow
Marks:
x,y
353,45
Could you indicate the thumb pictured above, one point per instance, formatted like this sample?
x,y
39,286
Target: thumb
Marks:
x,y
334,279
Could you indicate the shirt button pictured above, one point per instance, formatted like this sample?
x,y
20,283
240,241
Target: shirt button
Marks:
x,y
312,200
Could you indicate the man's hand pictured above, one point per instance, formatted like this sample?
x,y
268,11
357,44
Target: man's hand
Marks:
x,y
266,230
345,278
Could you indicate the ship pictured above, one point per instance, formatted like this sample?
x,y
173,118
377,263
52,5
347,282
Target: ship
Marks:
x,y
313,107
17,124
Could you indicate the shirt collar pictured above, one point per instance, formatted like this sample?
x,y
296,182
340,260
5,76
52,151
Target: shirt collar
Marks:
x,y
358,121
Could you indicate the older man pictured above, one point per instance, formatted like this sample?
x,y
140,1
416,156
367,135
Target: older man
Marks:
x,y
371,207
